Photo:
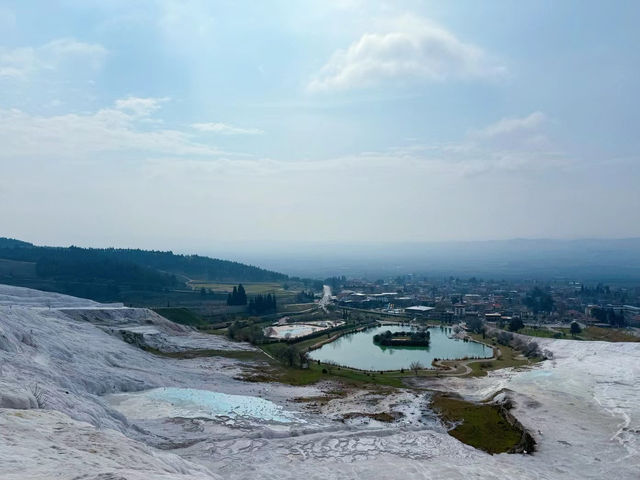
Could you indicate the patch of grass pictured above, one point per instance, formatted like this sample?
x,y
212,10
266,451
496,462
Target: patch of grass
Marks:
x,y
250,288
542,332
187,354
274,349
15,268
277,372
325,398
385,417
590,333
221,289
298,307
480,425
508,357
392,379
181,315
607,335
214,331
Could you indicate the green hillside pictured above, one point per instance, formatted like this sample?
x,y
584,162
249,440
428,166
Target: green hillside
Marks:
x,y
112,274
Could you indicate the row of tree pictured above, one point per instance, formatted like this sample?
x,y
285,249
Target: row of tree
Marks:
x,y
539,300
262,304
238,296
303,296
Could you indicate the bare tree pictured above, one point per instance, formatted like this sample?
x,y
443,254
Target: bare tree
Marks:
x,y
416,367
303,358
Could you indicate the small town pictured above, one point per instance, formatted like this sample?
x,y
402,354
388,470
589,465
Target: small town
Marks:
x,y
456,300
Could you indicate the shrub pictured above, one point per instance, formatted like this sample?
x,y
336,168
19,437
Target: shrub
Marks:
x,y
531,349
575,328
516,324
504,338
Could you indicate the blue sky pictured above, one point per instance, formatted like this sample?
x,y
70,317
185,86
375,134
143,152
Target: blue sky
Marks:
x,y
191,124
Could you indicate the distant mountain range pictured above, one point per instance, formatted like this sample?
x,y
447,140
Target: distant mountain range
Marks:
x,y
103,274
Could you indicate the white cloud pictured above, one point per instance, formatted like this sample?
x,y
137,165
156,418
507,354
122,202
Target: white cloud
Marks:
x,y
515,153
22,62
123,128
225,129
512,125
527,134
140,107
410,49
126,130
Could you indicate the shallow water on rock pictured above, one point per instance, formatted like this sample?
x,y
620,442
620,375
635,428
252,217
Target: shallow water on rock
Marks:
x,y
170,402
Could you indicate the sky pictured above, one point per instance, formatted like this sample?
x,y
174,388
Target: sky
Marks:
x,y
189,125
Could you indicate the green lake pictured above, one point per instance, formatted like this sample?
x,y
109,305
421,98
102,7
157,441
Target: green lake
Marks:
x,y
357,350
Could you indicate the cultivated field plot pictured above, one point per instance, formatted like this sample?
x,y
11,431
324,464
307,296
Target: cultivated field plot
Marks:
x,y
17,269
259,288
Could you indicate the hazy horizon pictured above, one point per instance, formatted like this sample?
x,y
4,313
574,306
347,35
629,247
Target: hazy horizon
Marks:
x,y
590,260
184,125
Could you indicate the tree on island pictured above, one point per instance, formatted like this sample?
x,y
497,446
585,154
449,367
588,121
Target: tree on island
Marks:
x,y
420,338
575,329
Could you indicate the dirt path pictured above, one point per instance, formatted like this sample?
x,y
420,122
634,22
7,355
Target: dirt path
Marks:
x,y
465,363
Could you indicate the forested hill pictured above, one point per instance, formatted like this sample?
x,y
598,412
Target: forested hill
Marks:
x,y
192,266
12,242
195,266
105,273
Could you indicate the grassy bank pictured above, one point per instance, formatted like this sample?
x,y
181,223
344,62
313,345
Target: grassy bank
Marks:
x,y
590,333
248,355
275,371
508,357
181,315
480,425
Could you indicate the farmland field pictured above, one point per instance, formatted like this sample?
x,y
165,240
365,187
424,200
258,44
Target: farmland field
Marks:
x,y
258,288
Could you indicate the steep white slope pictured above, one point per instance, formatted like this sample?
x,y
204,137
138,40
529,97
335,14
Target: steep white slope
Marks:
x,y
18,296
582,407
45,444
50,360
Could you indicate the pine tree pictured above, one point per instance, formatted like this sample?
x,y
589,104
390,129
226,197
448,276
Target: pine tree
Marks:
x,y
242,295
